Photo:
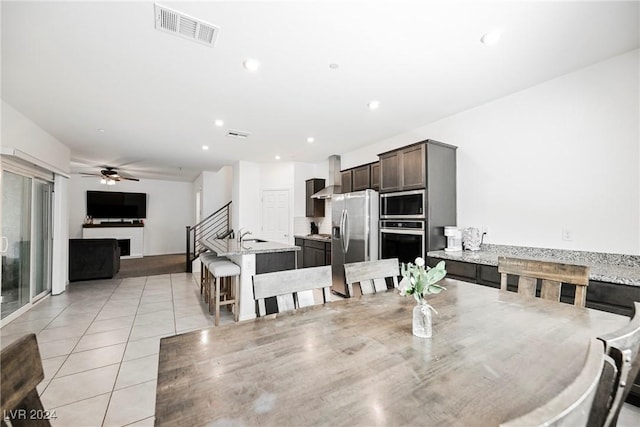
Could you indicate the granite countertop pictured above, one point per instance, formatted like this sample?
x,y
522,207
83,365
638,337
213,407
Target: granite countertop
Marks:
x,y
612,268
319,237
227,247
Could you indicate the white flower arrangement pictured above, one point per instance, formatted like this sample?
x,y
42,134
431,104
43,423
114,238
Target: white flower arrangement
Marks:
x,y
420,281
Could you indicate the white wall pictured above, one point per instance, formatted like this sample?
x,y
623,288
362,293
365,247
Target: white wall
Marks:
x,y
250,179
170,209
60,249
21,133
246,211
560,155
216,190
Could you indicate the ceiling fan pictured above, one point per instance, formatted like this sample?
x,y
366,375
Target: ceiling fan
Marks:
x,y
110,175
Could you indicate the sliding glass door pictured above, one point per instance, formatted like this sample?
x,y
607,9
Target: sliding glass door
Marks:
x,y
16,242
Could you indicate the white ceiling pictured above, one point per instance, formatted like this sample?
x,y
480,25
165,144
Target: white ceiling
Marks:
x,y
76,67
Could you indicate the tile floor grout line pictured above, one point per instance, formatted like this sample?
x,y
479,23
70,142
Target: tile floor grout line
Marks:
x,y
130,424
181,290
81,400
85,370
113,389
173,309
80,339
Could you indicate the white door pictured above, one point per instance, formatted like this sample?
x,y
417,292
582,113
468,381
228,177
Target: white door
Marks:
x,y
275,215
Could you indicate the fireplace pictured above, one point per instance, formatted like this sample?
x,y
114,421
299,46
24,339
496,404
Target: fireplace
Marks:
x,y
130,236
125,247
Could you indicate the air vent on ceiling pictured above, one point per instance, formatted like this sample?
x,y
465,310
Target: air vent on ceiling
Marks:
x,y
185,26
238,134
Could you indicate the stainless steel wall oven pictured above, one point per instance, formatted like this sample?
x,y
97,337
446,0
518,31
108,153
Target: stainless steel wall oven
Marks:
x,y
402,239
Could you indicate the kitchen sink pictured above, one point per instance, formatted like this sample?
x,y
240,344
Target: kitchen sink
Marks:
x,y
253,241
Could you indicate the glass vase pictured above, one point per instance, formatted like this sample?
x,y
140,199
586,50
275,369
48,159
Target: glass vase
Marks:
x,y
422,319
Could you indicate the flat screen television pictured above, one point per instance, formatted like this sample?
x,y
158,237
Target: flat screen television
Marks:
x,y
113,204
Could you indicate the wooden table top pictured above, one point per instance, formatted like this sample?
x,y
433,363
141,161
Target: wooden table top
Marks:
x,y
494,355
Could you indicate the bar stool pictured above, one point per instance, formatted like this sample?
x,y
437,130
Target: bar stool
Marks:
x,y
205,258
219,270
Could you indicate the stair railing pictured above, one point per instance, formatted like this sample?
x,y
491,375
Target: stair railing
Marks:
x,y
217,225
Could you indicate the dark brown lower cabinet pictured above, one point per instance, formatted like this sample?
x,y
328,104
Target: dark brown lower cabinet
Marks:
x,y
299,241
611,297
270,262
315,253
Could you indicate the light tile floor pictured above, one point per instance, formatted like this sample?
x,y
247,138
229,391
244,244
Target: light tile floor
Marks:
x,y
99,342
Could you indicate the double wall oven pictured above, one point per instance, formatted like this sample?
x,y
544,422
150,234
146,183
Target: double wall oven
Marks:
x,y
402,225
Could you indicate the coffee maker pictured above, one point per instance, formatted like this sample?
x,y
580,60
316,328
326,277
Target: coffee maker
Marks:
x,y
314,228
454,238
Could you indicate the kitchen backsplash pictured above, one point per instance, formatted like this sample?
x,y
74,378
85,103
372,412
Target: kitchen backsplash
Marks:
x,y
302,225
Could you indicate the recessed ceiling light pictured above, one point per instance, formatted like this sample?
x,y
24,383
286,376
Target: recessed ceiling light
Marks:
x,y
100,130
492,37
251,64
205,147
374,105
219,123
277,157
310,140
334,66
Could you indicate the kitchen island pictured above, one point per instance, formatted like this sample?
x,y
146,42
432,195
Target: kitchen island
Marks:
x,y
254,256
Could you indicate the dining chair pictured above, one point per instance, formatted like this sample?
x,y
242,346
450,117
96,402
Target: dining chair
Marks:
x,y
573,405
371,275
552,275
21,371
623,346
290,287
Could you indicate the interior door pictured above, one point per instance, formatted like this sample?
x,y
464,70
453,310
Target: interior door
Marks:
x,y
275,216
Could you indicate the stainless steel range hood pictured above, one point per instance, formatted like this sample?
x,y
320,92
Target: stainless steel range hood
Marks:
x,y
333,183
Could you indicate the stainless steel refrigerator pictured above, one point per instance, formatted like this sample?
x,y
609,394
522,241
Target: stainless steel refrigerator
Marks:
x,y
354,233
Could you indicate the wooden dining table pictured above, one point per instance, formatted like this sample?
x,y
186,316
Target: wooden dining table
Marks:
x,y
494,356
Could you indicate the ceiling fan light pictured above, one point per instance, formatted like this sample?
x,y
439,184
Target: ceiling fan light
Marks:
x,y
111,182
103,181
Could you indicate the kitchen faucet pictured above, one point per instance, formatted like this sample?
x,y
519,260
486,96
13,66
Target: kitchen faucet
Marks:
x,y
242,234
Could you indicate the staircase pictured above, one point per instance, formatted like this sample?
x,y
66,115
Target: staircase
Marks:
x,y
217,226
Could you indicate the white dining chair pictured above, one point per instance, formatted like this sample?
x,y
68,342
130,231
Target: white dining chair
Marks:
x,y
371,275
573,405
290,287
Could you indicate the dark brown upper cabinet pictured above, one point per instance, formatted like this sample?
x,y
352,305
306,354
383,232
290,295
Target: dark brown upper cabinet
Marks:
x,y
346,182
375,176
403,169
390,172
413,170
361,178
314,207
